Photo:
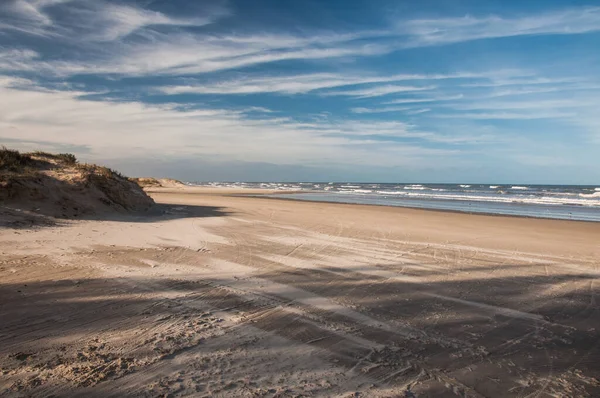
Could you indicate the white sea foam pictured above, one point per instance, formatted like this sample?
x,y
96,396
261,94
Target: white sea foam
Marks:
x,y
597,189
394,192
590,195
589,200
350,186
519,188
494,186
418,187
465,186
362,191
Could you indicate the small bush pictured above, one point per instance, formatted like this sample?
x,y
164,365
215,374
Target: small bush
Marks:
x,y
68,158
11,160
100,170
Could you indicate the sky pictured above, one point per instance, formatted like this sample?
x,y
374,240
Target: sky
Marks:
x,y
339,90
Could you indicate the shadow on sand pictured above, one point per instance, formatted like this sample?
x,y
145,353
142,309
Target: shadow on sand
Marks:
x,y
432,339
15,218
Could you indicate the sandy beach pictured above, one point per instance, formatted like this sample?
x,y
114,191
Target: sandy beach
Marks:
x,y
219,295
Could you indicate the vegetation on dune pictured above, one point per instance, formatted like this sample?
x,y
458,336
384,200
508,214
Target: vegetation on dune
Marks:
x,y
66,158
14,161
59,185
151,182
102,171
11,160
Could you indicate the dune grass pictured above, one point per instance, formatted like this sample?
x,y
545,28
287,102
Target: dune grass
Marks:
x,y
66,158
14,161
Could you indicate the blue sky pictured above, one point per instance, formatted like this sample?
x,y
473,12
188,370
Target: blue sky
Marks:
x,y
398,91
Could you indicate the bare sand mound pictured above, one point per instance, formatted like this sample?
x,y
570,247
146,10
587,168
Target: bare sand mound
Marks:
x,y
150,182
53,185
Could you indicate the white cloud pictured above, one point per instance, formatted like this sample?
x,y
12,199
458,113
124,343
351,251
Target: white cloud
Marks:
x,y
439,31
509,115
31,11
401,109
294,84
14,59
187,54
420,100
118,130
378,91
379,110
184,52
304,83
107,22
531,80
529,104
97,20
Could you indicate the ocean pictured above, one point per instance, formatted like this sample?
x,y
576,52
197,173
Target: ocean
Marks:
x,y
568,202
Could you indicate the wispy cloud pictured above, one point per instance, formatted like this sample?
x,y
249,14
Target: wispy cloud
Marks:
x,y
305,83
186,54
189,52
423,32
402,109
378,91
294,84
501,81
508,115
91,20
528,104
420,100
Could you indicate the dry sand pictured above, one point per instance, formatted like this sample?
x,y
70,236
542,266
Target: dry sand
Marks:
x,y
225,296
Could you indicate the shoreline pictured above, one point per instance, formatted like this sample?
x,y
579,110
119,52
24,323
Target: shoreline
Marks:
x,y
264,192
263,196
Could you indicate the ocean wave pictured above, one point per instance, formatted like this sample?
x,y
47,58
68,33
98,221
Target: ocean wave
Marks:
x,y
415,187
349,186
590,195
494,186
597,189
519,188
355,191
393,192
465,186
588,200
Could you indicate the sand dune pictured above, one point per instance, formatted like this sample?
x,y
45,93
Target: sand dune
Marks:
x,y
222,296
39,188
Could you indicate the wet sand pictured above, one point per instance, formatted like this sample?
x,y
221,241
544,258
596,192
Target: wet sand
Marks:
x,y
227,296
